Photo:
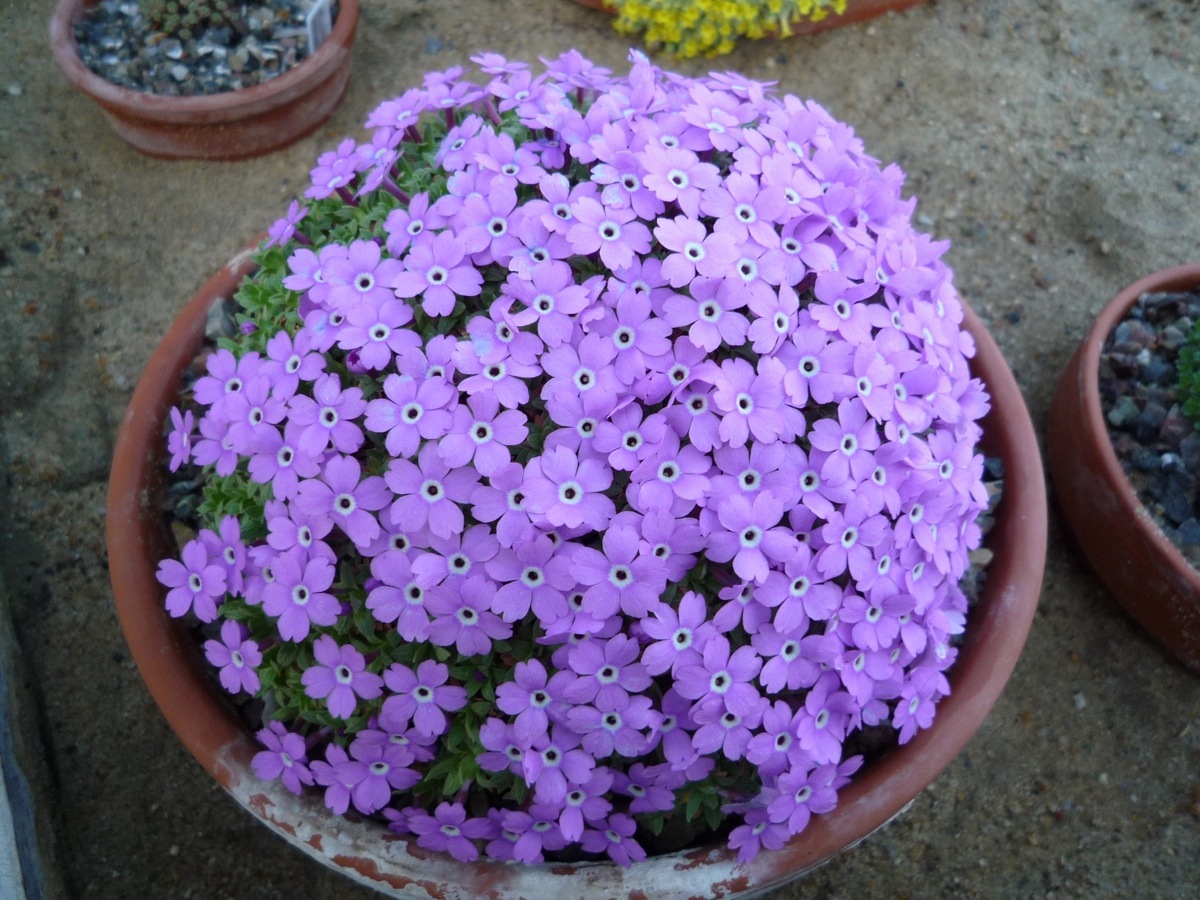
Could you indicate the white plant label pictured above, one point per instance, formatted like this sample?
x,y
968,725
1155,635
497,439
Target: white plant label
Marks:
x,y
318,24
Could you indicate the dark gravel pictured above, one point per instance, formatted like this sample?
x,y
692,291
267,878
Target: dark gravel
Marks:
x,y
119,43
1157,445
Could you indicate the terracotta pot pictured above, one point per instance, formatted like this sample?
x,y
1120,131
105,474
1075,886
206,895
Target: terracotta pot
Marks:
x,y
1134,559
229,125
856,11
170,662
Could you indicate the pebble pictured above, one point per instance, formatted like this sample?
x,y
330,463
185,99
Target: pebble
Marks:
x,y
116,42
14,90
1123,410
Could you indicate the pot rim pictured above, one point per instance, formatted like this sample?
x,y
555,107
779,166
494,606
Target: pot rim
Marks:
x,y
171,665
226,105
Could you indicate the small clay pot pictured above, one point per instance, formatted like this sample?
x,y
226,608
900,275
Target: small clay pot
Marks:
x,y
172,666
856,11
229,125
1134,559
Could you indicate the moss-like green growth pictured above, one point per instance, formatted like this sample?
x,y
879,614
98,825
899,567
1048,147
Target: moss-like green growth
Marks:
x,y
187,19
1188,367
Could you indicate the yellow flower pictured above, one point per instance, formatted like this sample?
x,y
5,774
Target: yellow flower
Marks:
x,y
688,28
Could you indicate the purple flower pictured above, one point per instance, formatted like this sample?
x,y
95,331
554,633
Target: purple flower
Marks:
x,y
284,758
375,332
482,434
226,375
608,671
376,769
709,314
752,403
615,728
676,174
567,492
361,276
339,677
226,545
694,250
915,707
616,840
757,831
236,656
401,595
297,597
619,579
775,749
462,616
802,792
285,228
179,441
613,231
345,499
793,659
277,460
532,831
328,416
533,697
678,636
534,575
827,716
435,271
722,680
672,478
196,583
422,697
745,531
553,762
449,830
551,299
410,411
502,501
429,492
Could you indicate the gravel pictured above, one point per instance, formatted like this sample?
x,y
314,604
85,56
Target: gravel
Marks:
x,y
1156,444
118,43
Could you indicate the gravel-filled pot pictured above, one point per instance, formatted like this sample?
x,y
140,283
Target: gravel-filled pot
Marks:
x,y
1129,552
785,669
228,125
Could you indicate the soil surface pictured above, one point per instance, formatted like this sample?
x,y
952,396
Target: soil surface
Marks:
x,y
1054,142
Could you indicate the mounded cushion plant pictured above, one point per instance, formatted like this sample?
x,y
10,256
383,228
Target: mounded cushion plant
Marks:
x,y
594,460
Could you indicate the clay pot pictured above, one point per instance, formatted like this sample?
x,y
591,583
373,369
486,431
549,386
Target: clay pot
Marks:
x,y
171,665
1134,559
229,125
856,11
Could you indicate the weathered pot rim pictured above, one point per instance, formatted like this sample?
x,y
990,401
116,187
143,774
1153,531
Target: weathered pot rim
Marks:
x,y
171,665
1170,606
227,105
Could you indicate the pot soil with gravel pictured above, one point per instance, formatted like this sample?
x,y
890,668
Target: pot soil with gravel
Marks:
x,y
1157,445
138,46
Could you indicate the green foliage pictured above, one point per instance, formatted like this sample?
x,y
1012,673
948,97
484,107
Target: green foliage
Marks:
x,y
1188,366
187,19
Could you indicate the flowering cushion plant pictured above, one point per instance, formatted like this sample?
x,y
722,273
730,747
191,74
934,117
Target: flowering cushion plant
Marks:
x,y
688,28
596,456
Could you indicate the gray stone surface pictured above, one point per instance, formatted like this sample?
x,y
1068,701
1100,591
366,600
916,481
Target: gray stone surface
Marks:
x,y
1056,143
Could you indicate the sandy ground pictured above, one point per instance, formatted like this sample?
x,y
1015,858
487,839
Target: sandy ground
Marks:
x,y
1053,141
